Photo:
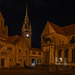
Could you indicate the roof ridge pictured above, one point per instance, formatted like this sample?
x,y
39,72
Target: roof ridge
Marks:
x,y
57,28
54,24
13,35
14,39
68,25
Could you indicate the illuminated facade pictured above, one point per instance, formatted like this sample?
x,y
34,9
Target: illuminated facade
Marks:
x,y
16,50
58,44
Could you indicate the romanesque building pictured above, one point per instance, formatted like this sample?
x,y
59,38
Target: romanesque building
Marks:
x,y
16,50
58,44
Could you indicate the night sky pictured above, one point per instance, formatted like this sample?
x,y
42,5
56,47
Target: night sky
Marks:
x,y
60,12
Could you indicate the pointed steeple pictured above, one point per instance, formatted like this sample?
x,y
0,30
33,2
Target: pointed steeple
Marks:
x,y
26,10
26,21
26,29
26,16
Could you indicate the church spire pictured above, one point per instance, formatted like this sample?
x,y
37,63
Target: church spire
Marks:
x,y
26,29
26,10
26,16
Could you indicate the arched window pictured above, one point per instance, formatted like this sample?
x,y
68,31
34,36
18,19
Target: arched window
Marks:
x,y
66,54
59,56
33,62
72,40
38,61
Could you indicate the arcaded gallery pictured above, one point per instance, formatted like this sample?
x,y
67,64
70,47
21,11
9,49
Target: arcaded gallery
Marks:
x,y
58,44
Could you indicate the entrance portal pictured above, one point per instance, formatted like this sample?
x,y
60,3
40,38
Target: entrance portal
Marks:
x,y
2,62
33,62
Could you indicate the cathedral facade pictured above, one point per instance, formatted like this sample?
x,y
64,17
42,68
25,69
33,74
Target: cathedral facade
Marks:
x,y
16,50
58,44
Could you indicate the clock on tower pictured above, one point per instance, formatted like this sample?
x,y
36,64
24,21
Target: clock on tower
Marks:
x,y
26,29
27,35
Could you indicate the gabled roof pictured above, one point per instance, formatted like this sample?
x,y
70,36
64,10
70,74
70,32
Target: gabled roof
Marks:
x,y
57,28
13,39
69,30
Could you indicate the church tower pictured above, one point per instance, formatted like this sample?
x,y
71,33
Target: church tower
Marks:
x,y
3,28
26,29
1,22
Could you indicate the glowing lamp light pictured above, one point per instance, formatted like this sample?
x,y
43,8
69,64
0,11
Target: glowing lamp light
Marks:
x,y
27,35
60,59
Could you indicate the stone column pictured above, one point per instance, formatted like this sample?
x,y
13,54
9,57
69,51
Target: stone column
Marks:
x,y
5,62
36,61
51,59
53,55
56,57
70,56
62,57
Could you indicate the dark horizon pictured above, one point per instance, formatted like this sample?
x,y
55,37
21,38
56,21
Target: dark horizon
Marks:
x,y
39,11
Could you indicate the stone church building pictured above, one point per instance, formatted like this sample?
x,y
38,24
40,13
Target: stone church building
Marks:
x,y
58,44
16,50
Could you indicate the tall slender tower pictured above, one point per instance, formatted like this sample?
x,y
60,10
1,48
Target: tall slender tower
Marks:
x,y
26,29
1,22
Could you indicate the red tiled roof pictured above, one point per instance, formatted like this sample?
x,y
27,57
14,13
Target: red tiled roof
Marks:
x,y
67,30
13,39
57,28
